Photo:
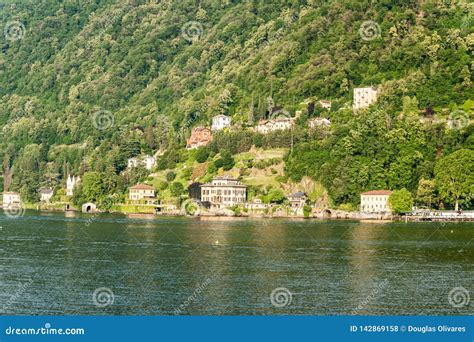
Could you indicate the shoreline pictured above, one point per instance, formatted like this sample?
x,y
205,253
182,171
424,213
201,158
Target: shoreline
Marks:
x,y
316,215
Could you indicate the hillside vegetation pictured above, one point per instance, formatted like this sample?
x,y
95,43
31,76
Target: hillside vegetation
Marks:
x,y
87,84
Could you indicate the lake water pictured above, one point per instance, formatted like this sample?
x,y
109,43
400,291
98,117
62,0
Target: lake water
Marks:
x,y
58,263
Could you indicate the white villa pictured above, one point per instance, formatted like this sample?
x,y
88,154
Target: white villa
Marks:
x,y
375,201
11,199
220,122
46,194
364,97
278,124
326,104
71,183
147,161
319,122
224,192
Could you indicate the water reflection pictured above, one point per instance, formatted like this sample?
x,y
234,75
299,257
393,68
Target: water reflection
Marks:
x,y
230,266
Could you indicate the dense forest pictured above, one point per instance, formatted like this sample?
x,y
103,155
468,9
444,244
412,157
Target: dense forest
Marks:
x,y
87,84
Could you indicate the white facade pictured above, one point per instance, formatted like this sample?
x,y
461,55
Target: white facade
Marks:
x,y
326,104
279,124
224,192
319,122
11,199
132,162
375,201
71,183
147,161
220,122
364,97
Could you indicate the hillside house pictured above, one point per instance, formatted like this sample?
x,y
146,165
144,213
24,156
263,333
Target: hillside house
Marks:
x,y
319,122
146,161
200,136
278,124
297,200
325,104
364,97
220,122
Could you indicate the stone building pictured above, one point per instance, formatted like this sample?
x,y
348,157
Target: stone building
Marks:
x,y
224,192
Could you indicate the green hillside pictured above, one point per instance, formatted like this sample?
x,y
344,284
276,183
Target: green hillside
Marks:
x,y
87,84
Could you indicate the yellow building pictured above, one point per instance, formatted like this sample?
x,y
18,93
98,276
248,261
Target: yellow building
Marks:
x,y
141,192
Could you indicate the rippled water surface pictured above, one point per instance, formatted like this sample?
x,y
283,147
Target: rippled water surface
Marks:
x,y
52,263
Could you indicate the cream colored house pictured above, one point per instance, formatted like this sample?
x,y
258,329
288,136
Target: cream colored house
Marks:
x,y
278,124
375,201
220,122
224,192
364,97
141,192
11,199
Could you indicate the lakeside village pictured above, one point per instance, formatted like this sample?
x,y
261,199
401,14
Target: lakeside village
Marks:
x,y
226,195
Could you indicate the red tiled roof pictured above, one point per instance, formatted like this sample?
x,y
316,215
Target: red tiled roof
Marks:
x,y
142,187
377,192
